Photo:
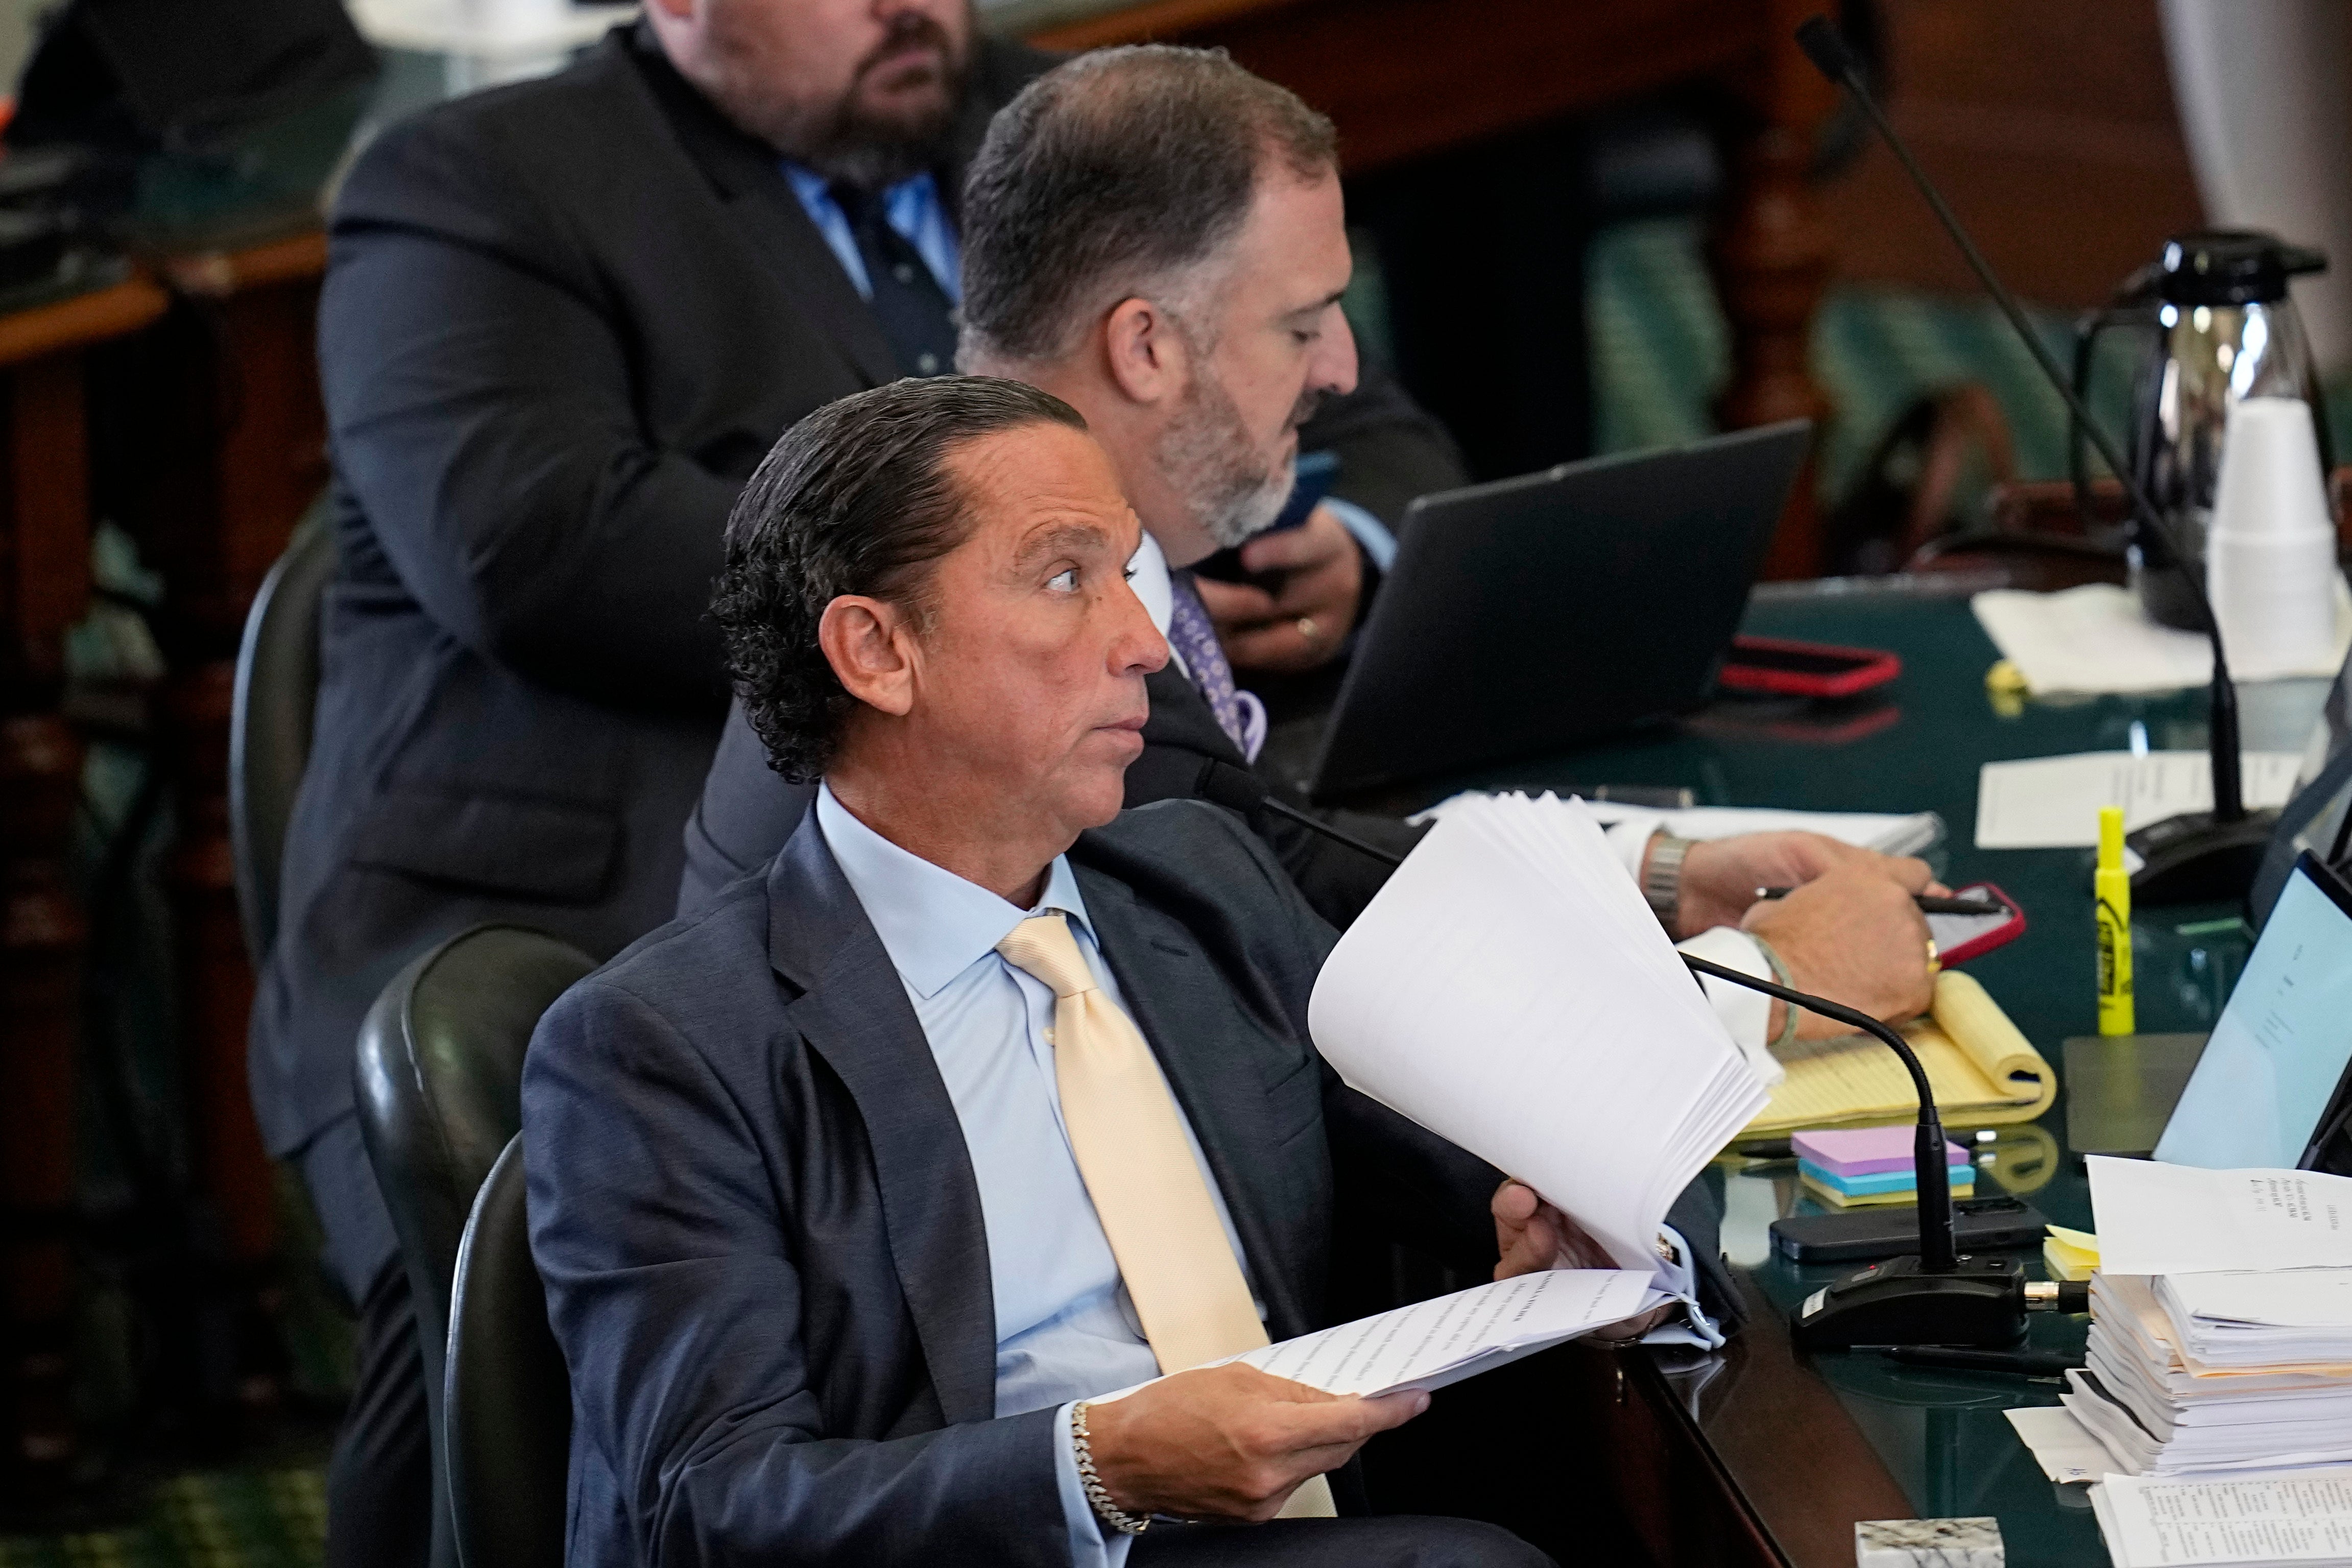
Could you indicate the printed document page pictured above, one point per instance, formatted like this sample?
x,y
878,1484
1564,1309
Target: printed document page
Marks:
x,y
1509,990
2150,1522
1431,1344
2052,802
2184,1219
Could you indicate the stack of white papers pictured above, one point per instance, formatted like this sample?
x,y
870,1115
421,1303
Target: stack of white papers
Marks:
x,y
2271,1318
2222,1320
2303,1518
2159,1409
2096,638
1509,990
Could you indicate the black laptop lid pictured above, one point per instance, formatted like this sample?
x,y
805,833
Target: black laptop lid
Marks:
x,y
1525,616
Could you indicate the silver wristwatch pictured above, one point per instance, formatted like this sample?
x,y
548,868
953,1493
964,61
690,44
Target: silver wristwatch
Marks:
x,y
1662,878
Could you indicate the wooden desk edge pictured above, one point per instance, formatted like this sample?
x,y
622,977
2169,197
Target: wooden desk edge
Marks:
x,y
1798,1530
84,319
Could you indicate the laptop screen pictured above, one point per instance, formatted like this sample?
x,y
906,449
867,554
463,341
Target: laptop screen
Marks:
x,y
2273,1066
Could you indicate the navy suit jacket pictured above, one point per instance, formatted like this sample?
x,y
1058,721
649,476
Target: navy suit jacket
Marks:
x,y
753,1209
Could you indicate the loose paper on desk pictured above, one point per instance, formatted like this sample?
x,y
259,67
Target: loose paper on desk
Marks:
x,y
2096,638
1888,832
2300,1516
2061,1445
1508,989
1431,1344
2052,802
2184,1219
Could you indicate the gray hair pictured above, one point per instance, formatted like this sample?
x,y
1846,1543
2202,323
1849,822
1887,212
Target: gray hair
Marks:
x,y
1117,173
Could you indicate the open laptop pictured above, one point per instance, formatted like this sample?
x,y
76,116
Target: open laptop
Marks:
x,y
1525,616
2270,1090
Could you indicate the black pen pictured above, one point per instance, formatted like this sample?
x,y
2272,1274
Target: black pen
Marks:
x,y
1927,904
2014,1363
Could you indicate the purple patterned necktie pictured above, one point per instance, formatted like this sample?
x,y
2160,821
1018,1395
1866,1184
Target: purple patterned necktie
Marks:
x,y
1195,642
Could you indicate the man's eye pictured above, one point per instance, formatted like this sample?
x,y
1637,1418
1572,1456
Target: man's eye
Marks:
x,y
1065,580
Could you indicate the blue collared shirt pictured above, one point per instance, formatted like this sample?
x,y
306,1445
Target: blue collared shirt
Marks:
x,y
912,207
1065,1330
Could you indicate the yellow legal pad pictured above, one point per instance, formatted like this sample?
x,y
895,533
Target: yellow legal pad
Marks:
x,y
1983,1071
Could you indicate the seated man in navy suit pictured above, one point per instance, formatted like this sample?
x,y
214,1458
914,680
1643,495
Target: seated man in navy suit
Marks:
x,y
986,1100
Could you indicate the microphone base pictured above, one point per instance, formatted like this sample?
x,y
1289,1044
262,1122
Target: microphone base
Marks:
x,y
2193,859
1979,1303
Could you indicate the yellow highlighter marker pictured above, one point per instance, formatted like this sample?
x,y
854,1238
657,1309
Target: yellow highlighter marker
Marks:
x,y
2111,887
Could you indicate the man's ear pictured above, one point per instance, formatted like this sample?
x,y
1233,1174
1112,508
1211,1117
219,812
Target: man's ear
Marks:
x,y
870,645
1147,356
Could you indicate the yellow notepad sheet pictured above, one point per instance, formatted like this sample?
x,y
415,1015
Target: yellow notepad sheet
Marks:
x,y
1983,1071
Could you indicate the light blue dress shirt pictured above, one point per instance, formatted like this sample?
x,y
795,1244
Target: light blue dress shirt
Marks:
x,y
912,207
1065,1330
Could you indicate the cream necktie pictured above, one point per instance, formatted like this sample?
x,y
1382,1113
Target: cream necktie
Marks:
x,y
1148,1190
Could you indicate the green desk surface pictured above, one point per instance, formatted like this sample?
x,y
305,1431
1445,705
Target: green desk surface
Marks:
x,y
1941,1436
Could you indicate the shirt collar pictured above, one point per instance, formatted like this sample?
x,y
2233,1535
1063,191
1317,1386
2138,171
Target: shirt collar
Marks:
x,y
933,924
1148,575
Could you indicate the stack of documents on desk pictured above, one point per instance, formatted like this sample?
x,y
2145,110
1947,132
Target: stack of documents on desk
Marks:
x,y
2304,1518
2096,639
1509,990
2199,1359
1984,1073
2159,1407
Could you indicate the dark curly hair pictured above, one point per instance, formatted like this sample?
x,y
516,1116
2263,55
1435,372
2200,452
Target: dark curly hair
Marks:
x,y
856,498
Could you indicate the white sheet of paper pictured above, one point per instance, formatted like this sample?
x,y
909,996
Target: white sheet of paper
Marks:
x,y
2061,1445
1431,1344
2184,1219
2096,638
1889,832
2300,1298
2153,1523
1508,989
2052,802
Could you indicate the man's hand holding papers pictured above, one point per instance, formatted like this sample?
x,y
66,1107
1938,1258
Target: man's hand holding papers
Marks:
x,y
1509,990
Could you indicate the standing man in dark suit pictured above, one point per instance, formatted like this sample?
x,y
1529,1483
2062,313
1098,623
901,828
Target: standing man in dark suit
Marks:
x,y
561,323
854,1195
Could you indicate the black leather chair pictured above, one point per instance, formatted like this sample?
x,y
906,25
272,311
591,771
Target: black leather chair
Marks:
x,y
439,1084
508,1401
270,723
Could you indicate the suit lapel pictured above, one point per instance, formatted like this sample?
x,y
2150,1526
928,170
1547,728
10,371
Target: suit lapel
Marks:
x,y
1196,1026
748,178
854,1013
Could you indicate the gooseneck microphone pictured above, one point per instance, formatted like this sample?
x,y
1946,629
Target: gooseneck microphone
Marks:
x,y
2197,855
1934,1298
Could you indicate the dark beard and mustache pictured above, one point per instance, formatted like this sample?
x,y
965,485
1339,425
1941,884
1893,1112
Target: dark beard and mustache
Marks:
x,y
1206,455
844,141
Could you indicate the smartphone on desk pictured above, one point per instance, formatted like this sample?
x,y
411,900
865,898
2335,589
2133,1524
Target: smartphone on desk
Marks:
x,y
1979,1224
1780,666
1313,475
1960,938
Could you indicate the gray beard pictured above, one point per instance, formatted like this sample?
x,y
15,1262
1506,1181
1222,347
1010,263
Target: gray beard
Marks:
x,y
1207,458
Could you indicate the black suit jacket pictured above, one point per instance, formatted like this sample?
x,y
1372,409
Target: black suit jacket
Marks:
x,y
752,1202
747,813
563,321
